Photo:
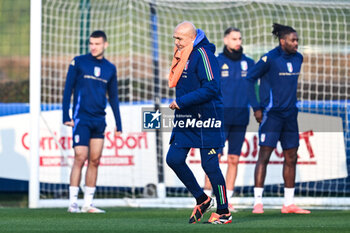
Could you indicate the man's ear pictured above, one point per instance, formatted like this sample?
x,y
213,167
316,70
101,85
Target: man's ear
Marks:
x,y
225,40
106,44
282,42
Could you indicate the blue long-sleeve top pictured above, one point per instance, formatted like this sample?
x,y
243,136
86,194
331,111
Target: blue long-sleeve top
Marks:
x,y
233,88
90,79
199,97
278,72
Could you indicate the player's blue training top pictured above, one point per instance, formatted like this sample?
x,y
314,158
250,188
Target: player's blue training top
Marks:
x,y
199,97
278,73
233,88
91,79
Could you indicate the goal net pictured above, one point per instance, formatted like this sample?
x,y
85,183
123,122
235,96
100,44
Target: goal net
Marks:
x,y
133,170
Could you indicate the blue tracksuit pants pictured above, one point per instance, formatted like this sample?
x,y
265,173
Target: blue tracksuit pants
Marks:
x,y
176,159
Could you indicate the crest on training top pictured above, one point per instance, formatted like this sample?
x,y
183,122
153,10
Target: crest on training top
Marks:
x,y
72,62
290,67
186,67
244,65
97,71
264,58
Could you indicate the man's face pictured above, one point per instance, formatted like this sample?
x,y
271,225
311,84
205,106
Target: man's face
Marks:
x,y
290,43
97,47
183,38
233,41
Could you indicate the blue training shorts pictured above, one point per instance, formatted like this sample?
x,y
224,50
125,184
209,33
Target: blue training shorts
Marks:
x,y
235,135
275,128
84,130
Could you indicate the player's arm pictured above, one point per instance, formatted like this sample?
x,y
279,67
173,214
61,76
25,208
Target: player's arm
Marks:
x,y
208,73
114,101
68,89
256,72
301,58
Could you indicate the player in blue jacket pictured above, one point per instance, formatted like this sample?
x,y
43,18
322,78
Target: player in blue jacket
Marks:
x,y
90,77
198,118
234,68
278,71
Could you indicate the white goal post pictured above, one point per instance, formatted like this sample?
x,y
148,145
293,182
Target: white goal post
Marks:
x,y
35,83
133,171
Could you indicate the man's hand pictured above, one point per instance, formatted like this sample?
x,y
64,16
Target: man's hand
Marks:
x,y
258,115
117,133
69,123
173,105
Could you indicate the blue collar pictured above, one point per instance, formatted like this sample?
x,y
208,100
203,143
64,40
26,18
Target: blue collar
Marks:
x,y
199,37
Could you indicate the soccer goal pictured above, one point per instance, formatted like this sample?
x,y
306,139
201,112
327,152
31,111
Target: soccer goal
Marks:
x,y
133,171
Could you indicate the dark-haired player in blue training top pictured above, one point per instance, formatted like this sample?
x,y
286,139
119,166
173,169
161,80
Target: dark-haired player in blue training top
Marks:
x,y
90,77
278,71
234,65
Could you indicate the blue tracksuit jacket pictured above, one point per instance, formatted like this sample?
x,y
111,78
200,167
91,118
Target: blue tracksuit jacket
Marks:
x,y
233,88
90,79
199,97
278,73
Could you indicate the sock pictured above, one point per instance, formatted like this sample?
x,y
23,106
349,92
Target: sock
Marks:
x,y
207,191
229,193
222,211
288,196
89,195
73,195
201,199
258,195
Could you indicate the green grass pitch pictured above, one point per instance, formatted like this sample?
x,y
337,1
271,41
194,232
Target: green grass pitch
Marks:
x,y
168,220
